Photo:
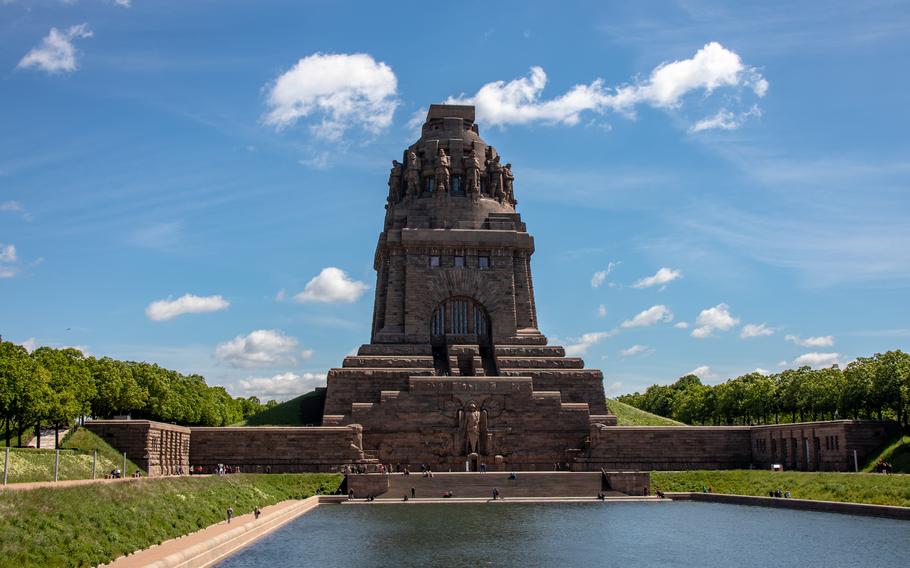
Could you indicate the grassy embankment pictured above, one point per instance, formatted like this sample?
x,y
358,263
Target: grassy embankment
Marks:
x,y
897,453
93,524
631,416
29,464
820,486
299,411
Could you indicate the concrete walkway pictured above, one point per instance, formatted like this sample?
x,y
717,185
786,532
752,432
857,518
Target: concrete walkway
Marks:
x,y
60,484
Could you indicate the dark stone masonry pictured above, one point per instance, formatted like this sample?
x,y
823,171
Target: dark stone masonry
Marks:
x,y
457,374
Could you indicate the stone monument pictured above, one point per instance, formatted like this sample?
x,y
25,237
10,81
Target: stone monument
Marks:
x,y
457,370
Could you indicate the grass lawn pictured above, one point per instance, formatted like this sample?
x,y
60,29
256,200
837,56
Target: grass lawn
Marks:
x,y
897,454
821,486
304,409
93,524
631,416
30,464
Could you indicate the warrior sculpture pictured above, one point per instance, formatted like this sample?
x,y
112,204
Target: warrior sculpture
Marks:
x,y
443,166
472,168
507,180
412,175
495,171
395,183
472,426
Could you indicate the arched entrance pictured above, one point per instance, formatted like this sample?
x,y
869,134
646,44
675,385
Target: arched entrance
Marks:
x,y
461,320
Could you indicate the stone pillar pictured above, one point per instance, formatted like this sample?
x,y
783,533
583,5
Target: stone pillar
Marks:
x,y
525,312
395,292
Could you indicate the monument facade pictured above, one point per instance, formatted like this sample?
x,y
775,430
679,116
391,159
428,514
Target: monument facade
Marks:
x,y
457,374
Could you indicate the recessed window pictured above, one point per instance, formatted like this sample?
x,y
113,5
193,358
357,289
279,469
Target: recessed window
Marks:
x,y
434,261
483,262
459,261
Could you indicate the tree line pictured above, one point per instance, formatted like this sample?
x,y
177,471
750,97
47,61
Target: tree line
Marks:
x,y
869,387
54,387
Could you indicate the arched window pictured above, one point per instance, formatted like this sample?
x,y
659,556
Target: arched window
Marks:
x,y
460,316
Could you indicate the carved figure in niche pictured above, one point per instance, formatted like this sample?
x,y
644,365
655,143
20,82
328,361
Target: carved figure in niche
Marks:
x,y
443,170
495,171
357,439
472,428
472,169
412,175
395,183
507,180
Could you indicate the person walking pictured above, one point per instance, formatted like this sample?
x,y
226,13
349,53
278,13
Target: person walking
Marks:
x,y
413,493
256,513
230,514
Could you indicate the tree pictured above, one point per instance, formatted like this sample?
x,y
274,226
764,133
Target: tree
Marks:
x,y
890,380
24,389
116,390
71,383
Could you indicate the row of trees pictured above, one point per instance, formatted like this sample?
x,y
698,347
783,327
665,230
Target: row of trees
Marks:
x,y
870,387
55,387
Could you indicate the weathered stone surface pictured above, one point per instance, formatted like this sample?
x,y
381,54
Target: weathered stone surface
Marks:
x,y
158,448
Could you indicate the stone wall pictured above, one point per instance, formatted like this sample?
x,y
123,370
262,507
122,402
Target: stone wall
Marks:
x,y
158,448
275,449
818,446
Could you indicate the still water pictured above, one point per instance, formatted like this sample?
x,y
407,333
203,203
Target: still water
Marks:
x,y
596,534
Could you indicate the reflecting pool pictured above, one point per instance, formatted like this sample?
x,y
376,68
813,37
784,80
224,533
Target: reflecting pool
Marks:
x,y
577,534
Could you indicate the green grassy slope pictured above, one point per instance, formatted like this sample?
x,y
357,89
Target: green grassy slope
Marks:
x,y
305,409
29,464
631,416
822,486
896,453
93,524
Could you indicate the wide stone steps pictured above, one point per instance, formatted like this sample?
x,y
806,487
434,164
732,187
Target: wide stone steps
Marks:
x,y
389,361
526,484
529,351
539,363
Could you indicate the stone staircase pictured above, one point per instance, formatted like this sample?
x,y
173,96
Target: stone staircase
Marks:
x,y
526,484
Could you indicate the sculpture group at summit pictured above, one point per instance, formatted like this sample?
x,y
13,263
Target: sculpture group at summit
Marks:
x,y
457,374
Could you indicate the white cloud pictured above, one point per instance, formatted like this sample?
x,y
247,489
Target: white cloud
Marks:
x,y
651,316
519,101
681,325
703,372
30,344
820,341
725,120
755,330
307,354
330,286
15,207
761,371
56,52
163,310
123,3
614,389
817,359
261,348
601,311
9,261
601,275
282,386
586,341
662,276
344,91
713,319
635,350
8,253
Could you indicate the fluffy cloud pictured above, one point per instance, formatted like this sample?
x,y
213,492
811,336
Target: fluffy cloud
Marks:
x,y
332,285
635,350
651,316
713,319
261,348
817,359
586,341
281,386
820,341
662,276
755,330
519,101
601,275
163,310
15,207
725,120
703,372
56,52
681,325
9,261
343,91
601,311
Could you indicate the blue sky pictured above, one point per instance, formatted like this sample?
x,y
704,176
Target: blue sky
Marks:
x,y
751,160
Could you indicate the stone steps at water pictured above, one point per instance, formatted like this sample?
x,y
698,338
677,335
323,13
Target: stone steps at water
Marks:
x,y
526,484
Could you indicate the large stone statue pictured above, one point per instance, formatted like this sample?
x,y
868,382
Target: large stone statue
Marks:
x,y
472,169
395,183
507,180
412,175
443,172
472,425
495,172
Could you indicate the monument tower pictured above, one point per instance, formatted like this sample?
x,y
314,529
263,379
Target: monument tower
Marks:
x,y
457,374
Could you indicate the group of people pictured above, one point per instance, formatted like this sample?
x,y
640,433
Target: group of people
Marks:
x,y
778,493
230,513
884,467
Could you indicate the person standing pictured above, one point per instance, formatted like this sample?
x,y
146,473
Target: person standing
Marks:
x,y
230,514
256,513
